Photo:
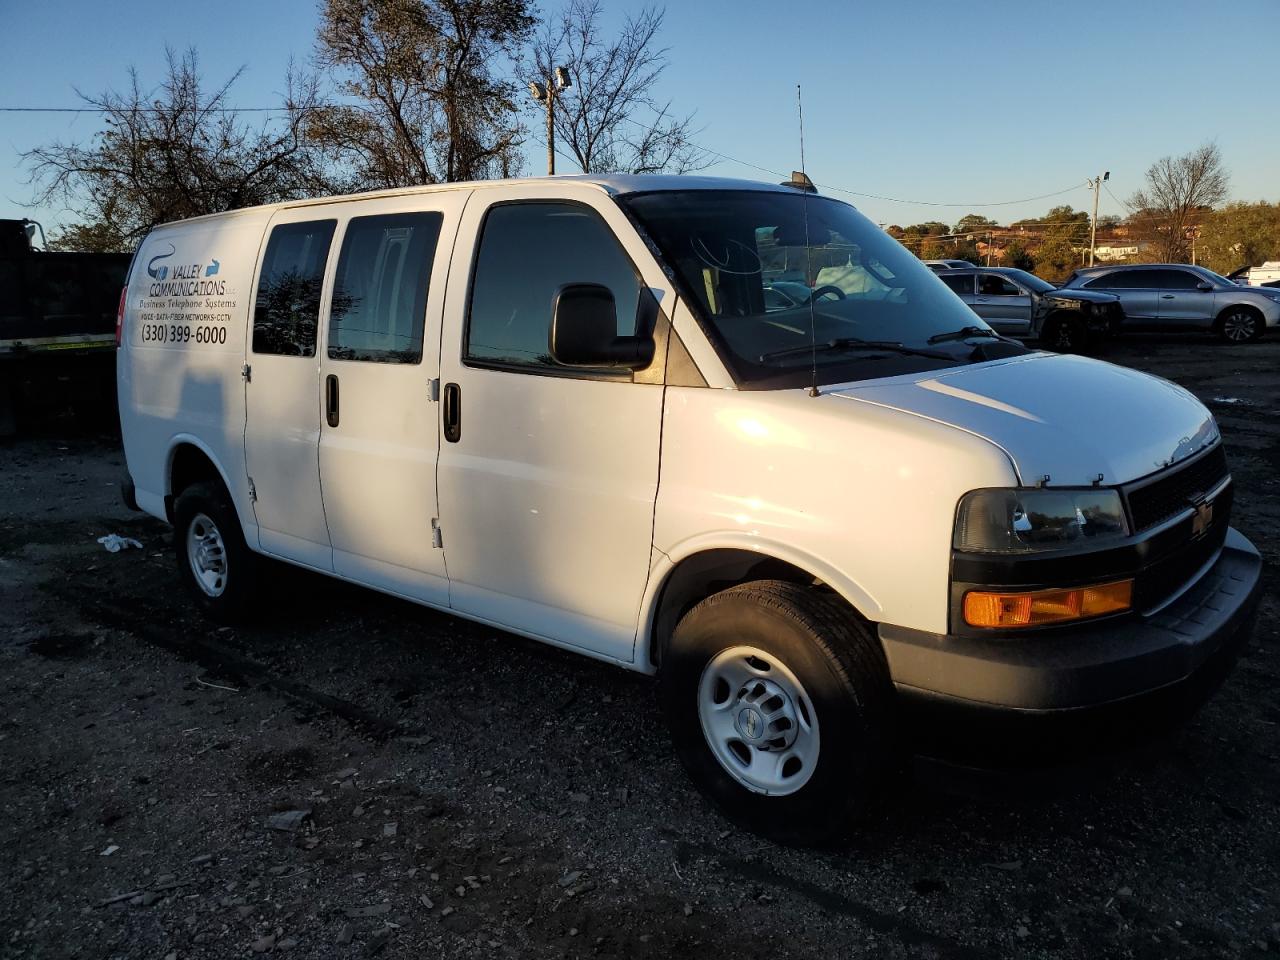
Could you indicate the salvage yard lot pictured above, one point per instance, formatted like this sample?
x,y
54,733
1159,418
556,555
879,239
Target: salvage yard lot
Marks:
x,y
453,791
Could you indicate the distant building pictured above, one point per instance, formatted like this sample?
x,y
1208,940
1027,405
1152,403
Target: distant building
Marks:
x,y
1119,250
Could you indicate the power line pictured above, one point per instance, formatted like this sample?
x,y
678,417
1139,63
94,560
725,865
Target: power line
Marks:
x,y
1128,209
706,150
135,109
936,203
857,193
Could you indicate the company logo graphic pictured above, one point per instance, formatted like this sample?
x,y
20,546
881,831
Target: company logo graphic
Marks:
x,y
159,273
212,268
1202,519
750,723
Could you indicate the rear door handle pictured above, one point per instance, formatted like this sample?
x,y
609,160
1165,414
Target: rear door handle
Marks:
x,y
451,411
331,400
1166,296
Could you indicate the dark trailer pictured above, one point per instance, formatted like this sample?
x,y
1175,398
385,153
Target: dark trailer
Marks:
x,y
57,327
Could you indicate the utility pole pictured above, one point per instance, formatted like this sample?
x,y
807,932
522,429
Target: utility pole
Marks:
x,y
547,93
1095,184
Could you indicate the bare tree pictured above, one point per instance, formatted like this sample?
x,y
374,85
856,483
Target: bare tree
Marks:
x,y
1177,189
609,117
430,106
173,152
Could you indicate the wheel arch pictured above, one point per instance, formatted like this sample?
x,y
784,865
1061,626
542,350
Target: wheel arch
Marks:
x,y
191,461
1239,305
685,577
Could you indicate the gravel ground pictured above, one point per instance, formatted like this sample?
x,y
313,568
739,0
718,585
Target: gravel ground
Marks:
x,y
448,790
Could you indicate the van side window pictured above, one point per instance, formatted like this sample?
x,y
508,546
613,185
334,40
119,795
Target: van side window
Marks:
x,y
527,252
380,291
288,305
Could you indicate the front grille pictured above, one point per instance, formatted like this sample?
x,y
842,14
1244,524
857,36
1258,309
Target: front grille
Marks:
x,y
1178,554
1169,494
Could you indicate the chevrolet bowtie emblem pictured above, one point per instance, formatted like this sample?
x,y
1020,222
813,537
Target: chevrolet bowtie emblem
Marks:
x,y
1202,519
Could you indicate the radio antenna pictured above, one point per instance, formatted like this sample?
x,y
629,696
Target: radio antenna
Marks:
x,y
808,256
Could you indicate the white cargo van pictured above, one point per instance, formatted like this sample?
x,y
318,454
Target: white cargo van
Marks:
x,y
726,433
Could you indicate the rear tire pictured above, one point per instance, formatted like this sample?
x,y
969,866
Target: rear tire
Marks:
x,y
781,709
214,560
1240,324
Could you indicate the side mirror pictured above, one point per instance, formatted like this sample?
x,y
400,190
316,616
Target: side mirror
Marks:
x,y
584,331
1204,285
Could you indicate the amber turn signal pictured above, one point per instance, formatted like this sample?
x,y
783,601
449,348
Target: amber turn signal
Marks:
x,y
1036,607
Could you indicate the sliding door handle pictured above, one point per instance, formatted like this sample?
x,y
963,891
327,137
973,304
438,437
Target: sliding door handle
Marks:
x,y
331,400
451,411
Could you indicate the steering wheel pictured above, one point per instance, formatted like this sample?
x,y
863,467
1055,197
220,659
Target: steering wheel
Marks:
x,y
823,291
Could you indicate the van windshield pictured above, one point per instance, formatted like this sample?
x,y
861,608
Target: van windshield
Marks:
x,y
742,260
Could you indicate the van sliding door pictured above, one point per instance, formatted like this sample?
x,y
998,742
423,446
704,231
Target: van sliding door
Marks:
x,y
282,422
379,370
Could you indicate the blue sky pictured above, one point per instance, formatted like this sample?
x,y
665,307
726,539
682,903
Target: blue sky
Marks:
x,y
957,103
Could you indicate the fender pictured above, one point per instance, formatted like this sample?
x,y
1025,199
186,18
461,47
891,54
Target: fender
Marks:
x,y
665,562
248,521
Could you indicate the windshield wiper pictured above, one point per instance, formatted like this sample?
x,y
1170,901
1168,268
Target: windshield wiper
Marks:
x,y
964,333
856,343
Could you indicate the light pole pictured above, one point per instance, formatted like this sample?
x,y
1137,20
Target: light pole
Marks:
x,y
547,93
1095,183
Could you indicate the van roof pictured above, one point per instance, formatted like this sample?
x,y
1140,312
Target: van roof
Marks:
x,y
614,184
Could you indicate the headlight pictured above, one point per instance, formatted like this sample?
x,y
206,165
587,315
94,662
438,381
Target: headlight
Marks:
x,y
1031,521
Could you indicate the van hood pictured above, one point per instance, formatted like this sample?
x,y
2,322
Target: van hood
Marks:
x,y
1070,419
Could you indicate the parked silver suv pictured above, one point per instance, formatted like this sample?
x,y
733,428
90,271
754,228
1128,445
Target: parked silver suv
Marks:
x,y
1177,296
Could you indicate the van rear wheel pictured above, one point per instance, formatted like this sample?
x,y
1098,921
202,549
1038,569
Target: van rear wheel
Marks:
x,y
213,559
780,706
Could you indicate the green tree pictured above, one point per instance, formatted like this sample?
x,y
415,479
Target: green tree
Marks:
x,y
1057,257
1240,234
1065,232
916,239
432,102
1016,254
1178,189
974,223
609,116
929,229
99,237
175,151
965,248
931,249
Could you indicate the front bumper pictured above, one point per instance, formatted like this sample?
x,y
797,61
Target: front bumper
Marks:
x,y
1163,664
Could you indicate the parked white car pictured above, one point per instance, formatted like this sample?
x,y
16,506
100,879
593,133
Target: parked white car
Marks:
x,y
565,407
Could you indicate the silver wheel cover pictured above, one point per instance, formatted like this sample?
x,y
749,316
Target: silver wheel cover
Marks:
x,y
1239,325
758,720
207,555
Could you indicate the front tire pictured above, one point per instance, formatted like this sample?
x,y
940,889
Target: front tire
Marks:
x,y
780,707
1240,324
213,559
1065,334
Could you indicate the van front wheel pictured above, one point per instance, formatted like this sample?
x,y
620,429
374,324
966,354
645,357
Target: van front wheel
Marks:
x,y
780,706
213,558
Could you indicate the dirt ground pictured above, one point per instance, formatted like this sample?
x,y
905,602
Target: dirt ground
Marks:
x,y
450,791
